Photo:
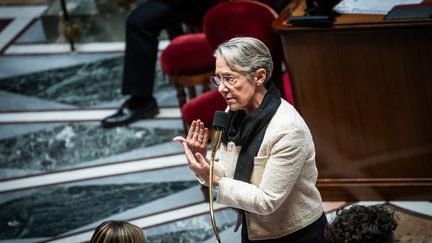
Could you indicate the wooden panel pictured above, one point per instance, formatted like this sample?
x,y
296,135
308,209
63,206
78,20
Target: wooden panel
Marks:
x,y
366,94
375,189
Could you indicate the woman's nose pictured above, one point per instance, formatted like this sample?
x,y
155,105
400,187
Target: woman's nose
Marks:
x,y
222,88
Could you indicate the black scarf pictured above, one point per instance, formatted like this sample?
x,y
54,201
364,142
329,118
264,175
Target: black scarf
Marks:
x,y
248,131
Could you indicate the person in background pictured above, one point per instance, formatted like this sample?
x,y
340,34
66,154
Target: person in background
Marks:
x,y
267,164
362,224
143,27
118,232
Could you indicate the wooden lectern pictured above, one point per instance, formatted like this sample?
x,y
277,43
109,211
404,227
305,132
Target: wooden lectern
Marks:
x,y
364,87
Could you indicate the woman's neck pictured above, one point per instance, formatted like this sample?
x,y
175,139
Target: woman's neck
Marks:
x,y
256,99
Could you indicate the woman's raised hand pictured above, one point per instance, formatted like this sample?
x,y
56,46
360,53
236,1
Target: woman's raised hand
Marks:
x,y
195,146
197,138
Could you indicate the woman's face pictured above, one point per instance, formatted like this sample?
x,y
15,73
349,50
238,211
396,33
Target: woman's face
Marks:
x,y
240,94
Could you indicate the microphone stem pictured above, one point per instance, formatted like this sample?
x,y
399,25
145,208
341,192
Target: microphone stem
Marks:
x,y
215,146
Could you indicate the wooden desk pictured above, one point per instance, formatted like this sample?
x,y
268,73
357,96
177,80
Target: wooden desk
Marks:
x,y
364,87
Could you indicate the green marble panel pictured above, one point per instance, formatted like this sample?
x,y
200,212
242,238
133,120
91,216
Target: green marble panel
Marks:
x,y
55,210
83,85
68,145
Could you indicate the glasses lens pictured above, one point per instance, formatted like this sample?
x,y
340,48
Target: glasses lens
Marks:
x,y
215,80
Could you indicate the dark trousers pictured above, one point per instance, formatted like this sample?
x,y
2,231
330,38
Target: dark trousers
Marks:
x,y
143,27
314,233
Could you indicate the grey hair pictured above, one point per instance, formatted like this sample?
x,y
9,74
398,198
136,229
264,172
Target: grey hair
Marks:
x,y
246,55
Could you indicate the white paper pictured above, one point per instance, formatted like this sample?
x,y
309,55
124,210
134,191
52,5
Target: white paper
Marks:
x,y
370,6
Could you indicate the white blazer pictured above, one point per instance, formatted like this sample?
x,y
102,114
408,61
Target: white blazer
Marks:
x,y
282,196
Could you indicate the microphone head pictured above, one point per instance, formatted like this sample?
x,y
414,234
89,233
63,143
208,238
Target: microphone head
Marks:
x,y
220,120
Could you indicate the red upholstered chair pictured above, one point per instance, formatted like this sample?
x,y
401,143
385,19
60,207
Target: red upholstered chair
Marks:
x,y
188,60
188,63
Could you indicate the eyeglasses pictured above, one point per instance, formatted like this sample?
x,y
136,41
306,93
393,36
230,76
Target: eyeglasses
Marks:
x,y
226,79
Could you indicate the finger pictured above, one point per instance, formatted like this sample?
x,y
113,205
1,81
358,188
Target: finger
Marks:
x,y
200,158
204,167
202,162
195,165
179,139
191,130
201,132
196,130
206,134
190,157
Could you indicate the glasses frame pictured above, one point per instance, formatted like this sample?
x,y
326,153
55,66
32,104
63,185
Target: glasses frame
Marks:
x,y
229,79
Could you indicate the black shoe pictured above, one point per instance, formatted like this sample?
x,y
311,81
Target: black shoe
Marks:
x,y
126,115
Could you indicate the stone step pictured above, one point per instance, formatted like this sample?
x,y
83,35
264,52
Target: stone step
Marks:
x,y
23,2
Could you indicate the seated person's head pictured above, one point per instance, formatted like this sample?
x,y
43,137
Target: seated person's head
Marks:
x,y
362,224
118,232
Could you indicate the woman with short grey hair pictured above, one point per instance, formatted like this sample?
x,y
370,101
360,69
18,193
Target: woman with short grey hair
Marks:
x,y
267,164
245,55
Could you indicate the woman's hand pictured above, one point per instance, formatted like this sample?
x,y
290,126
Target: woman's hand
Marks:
x,y
199,165
195,146
196,139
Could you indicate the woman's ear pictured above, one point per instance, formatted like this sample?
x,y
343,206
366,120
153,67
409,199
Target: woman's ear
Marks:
x,y
260,75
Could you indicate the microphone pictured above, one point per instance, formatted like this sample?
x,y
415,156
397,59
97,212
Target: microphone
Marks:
x,y
219,125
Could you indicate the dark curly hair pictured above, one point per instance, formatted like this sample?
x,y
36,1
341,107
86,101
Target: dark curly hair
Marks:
x,y
362,224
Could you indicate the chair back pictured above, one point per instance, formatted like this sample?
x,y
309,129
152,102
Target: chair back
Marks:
x,y
239,18
244,18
